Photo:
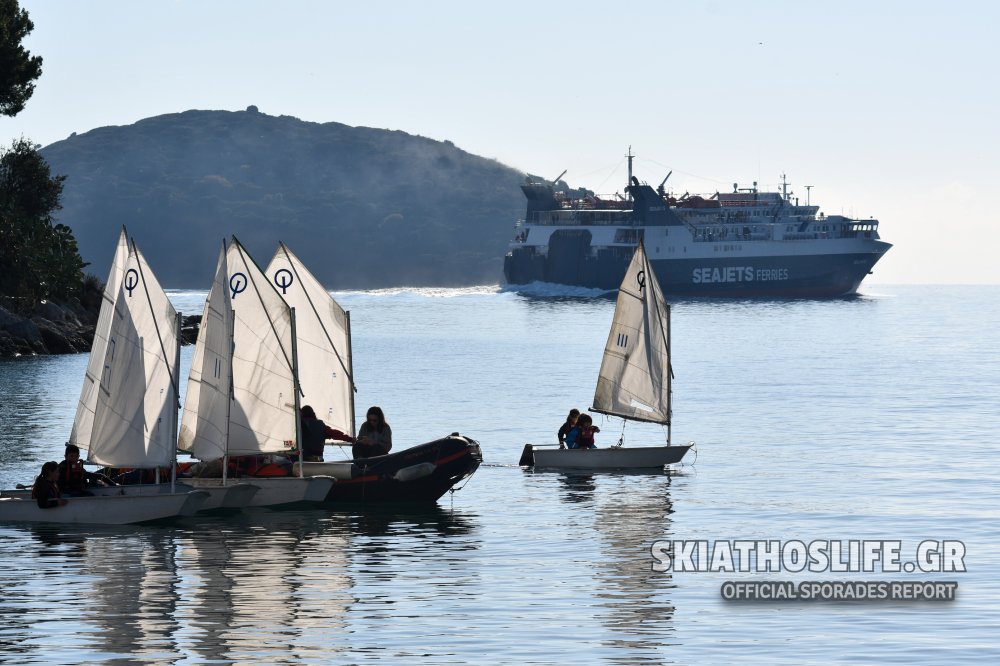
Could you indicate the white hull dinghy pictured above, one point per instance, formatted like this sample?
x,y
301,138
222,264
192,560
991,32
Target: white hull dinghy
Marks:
x,y
619,457
233,497
102,510
275,491
422,473
127,414
243,391
634,382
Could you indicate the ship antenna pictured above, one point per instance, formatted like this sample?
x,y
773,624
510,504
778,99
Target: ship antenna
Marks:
x,y
629,183
808,187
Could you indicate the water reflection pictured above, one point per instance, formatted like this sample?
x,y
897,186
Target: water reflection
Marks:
x,y
36,602
130,595
388,520
264,583
630,512
577,487
54,540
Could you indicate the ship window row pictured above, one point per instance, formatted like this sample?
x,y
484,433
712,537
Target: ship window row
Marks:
x,y
631,236
576,217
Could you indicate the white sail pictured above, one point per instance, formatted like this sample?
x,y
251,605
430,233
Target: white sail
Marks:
x,y
634,382
324,341
136,406
262,417
204,423
84,422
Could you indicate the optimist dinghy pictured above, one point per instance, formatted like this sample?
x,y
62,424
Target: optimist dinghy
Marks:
x,y
127,415
634,382
323,328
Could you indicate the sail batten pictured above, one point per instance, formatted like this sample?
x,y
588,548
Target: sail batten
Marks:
x,y
634,380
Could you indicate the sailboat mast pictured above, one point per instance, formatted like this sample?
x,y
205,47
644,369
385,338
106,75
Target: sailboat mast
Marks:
x,y
177,403
230,394
296,389
350,370
670,382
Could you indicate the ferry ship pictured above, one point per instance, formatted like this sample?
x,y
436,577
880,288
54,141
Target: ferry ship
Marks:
x,y
744,243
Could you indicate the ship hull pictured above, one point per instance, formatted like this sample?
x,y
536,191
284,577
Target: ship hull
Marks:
x,y
790,276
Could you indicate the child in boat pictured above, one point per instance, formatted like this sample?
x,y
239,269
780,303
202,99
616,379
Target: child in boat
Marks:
x,y
73,479
581,436
315,433
574,414
46,490
374,436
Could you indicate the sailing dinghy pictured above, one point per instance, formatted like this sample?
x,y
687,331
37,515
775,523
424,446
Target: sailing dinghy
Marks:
x,y
127,415
166,324
323,328
634,381
243,397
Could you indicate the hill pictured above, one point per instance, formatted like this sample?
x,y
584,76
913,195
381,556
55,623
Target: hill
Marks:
x,y
364,208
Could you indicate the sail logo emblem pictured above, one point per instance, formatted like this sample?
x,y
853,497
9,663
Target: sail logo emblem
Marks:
x,y
131,281
284,279
218,368
623,340
641,279
238,283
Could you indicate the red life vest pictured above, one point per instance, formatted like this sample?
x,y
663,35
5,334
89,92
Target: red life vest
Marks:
x,y
72,476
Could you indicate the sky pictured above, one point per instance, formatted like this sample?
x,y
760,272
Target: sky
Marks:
x,y
888,109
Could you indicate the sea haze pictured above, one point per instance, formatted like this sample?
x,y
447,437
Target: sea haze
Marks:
x,y
867,418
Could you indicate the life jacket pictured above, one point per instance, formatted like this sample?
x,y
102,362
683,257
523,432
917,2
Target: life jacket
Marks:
x,y
72,475
272,469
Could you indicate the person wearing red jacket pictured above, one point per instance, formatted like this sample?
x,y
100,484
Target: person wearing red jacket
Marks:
x,y
315,433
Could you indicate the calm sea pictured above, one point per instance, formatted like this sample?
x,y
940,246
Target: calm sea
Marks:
x,y
870,418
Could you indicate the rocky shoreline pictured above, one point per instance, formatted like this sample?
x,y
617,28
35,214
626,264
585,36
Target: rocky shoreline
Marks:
x,y
60,328
51,328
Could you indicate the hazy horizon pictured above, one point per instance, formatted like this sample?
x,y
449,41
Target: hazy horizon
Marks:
x,y
886,110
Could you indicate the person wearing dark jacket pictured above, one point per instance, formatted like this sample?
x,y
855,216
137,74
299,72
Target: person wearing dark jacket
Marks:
x,y
315,433
46,490
574,414
73,479
374,436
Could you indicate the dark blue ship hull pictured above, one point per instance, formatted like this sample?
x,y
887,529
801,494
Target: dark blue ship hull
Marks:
x,y
792,276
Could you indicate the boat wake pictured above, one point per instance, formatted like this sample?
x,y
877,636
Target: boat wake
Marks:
x,y
425,292
553,290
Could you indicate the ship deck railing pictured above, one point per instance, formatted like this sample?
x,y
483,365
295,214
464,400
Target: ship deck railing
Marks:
x,y
574,218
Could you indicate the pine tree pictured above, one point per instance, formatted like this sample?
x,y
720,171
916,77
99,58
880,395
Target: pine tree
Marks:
x,y
38,259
